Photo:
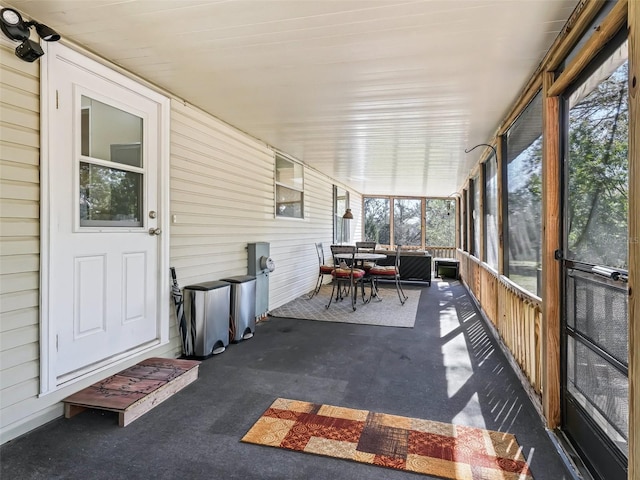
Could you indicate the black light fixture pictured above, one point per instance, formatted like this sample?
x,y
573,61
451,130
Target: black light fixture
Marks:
x,y
14,27
456,196
45,32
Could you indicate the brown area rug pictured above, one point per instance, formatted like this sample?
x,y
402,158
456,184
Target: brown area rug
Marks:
x,y
387,313
421,446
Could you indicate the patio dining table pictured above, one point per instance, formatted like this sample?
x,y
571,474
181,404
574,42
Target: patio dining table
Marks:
x,y
360,258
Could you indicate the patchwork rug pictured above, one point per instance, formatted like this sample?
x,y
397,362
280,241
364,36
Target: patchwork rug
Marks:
x,y
403,443
388,312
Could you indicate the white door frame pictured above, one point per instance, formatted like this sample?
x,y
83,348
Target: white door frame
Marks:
x,y
55,52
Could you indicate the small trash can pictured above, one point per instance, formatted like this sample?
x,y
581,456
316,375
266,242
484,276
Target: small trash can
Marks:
x,y
206,310
243,306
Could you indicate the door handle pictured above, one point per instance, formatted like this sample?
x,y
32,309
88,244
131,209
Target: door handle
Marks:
x,y
615,275
154,231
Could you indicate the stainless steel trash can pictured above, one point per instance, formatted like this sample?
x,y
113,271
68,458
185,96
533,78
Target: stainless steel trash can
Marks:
x,y
206,309
243,306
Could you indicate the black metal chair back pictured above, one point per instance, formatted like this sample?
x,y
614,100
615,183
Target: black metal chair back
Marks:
x,y
366,246
343,249
389,273
322,269
346,276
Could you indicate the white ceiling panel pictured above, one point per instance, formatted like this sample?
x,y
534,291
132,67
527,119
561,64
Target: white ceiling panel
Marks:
x,y
383,95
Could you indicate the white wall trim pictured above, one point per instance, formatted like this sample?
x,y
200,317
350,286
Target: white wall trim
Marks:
x,y
47,377
164,200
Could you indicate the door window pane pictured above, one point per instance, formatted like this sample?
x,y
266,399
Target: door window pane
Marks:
x,y
108,133
598,167
109,197
407,222
376,221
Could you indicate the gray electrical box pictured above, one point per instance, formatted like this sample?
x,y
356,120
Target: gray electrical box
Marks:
x,y
260,265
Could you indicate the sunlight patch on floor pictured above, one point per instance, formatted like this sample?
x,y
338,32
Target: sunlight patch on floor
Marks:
x,y
448,320
455,355
470,414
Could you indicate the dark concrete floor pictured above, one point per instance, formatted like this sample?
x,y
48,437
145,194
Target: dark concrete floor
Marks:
x,y
447,368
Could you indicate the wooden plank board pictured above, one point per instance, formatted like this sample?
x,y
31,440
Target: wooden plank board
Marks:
x,y
156,397
551,234
609,27
135,390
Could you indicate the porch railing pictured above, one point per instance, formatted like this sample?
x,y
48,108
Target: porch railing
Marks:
x,y
435,250
441,252
519,322
515,314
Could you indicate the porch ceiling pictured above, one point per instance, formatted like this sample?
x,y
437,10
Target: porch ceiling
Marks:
x,y
384,95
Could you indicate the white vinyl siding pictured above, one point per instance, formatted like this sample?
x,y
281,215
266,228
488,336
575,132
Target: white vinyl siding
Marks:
x,y
222,197
21,407
19,230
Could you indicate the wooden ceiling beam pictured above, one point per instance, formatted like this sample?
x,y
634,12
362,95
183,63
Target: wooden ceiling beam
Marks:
x,y
609,27
573,30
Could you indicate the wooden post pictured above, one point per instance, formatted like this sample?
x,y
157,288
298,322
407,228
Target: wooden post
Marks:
x,y
471,200
551,230
423,231
457,204
634,238
391,232
482,181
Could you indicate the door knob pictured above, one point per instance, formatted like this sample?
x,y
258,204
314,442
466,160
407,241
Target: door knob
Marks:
x,y
154,231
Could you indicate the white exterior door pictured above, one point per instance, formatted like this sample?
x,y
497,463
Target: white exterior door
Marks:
x,y
104,237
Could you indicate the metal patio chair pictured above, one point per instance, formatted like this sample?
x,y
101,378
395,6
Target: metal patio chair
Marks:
x,y
323,269
391,272
346,277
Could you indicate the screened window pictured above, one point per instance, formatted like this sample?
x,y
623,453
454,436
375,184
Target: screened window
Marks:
x,y
407,222
289,188
414,223
524,198
440,222
377,225
463,221
475,214
491,212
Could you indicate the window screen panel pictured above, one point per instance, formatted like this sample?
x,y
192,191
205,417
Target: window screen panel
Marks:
x,y
523,220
